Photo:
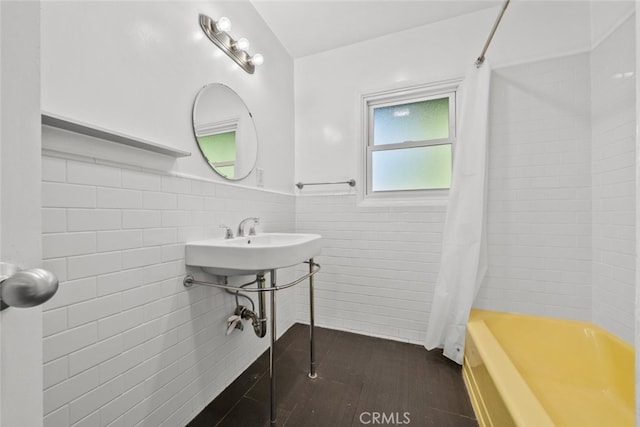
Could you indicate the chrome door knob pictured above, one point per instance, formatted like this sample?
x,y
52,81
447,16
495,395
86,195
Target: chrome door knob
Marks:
x,y
26,288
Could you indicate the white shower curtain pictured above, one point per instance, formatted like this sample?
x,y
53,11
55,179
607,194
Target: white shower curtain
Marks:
x,y
464,249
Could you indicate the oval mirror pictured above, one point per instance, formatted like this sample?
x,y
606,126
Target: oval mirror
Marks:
x,y
224,131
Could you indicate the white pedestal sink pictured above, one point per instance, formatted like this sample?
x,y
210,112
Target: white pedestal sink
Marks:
x,y
258,254
252,254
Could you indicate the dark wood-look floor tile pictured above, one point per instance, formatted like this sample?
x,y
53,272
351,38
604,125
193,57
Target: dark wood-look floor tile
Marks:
x,y
295,335
221,405
436,418
446,390
324,402
385,389
357,375
252,413
288,381
297,338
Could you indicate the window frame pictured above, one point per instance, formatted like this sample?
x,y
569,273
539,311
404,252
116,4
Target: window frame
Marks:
x,y
401,96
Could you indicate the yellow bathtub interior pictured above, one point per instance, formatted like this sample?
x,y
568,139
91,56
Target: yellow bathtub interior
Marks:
x,y
523,370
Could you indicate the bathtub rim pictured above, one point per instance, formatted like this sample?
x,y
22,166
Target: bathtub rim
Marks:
x,y
483,317
528,412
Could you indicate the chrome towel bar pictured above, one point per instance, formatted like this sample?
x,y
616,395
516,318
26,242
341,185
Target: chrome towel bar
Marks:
x,y
351,182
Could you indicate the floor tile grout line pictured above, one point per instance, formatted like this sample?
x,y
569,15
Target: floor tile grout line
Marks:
x,y
453,413
385,353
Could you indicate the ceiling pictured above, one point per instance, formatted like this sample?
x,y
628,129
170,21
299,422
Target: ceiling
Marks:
x,y
306,27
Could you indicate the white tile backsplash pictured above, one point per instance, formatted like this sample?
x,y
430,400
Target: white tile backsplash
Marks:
x,y
547,231
539,199
379,265
93,265
94,309
118,198
116,240
54,321
94,399
93,219
93,355
56,245
613,122
157,200
69,341
119,281
54,220
68,196
69,292
126,344
124,341
55,372
59,394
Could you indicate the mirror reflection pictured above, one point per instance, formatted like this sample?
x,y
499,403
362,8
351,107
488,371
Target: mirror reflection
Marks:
x,y
225,131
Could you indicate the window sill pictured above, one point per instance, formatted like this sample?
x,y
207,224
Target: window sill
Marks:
x,y
404,201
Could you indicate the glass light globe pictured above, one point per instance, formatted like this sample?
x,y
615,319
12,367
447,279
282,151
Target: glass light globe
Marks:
x,y
223,24
241,44
256,59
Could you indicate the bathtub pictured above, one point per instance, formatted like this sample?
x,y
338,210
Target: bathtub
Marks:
x,y
533,371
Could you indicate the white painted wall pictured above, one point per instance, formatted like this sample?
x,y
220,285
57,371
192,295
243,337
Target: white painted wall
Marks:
x,y
328,85
528,112
124,342
138,74
542,234
607,16
139,71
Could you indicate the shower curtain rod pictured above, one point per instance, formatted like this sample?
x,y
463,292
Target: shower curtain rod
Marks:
x,y
480,59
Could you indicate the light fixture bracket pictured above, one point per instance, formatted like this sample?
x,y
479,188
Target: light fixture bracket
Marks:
x,y
225,42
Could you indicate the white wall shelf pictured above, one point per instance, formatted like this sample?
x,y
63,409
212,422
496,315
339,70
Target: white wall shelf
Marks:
x,y
56,121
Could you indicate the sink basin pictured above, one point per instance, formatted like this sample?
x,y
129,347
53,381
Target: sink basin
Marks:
x,y
252,254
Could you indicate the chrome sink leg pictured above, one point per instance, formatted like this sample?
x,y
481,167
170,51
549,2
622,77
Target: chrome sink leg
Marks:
x,y
312,347
272,351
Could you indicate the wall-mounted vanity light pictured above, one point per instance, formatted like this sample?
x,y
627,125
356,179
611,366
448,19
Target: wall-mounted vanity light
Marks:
x,y
217,31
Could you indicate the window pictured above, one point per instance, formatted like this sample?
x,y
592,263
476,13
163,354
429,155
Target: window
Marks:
x,y
222,147
217,141
409,137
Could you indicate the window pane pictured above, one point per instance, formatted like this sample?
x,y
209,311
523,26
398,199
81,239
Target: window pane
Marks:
x,y
418,121
227,171
417,168
219,147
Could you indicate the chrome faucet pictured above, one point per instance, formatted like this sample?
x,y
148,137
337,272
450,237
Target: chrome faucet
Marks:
x,y
228,233
252,230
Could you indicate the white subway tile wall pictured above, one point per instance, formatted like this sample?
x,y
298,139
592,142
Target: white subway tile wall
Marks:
x,y
539,198
125,343
379,265
613,122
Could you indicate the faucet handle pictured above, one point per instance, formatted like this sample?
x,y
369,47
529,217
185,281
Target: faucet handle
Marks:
x,y
252,229
229,232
